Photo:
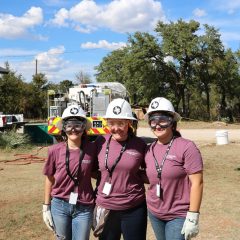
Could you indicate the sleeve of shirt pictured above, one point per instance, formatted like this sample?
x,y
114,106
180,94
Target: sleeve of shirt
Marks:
x,y
49,168
192,159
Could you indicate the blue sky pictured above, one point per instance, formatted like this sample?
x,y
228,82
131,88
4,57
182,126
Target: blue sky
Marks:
x,y
69,36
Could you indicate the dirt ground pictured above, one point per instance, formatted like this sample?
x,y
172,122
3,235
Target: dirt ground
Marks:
x,y
21,189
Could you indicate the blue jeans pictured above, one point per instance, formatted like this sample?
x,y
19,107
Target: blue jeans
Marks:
x,y
167,230
132,223
72,222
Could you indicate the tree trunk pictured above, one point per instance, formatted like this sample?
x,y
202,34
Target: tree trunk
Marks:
x,y
208,102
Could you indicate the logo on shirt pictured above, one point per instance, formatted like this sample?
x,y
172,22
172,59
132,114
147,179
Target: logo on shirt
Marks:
x,y
171,157
86,161
132,153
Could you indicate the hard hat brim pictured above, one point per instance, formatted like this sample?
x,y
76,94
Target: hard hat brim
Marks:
x,y
127,118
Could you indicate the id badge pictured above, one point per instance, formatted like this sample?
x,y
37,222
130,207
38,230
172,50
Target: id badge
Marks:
x,y
73,198
158,190
107,188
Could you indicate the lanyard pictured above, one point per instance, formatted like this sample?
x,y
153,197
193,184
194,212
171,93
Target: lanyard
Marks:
x,y
110,171
159,168
75,177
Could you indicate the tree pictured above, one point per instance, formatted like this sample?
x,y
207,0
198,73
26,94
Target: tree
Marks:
x,y
83,78
11,92
110,69
200,73
65,85
210,49
144,68
38,91
179,40
226,81
39,80
139,66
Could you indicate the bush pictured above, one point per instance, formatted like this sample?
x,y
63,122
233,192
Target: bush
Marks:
x,y
12,139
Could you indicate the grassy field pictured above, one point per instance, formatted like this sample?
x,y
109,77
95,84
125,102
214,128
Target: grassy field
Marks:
x,y
21,196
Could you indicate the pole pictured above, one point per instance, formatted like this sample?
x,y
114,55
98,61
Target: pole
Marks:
x,y
48,103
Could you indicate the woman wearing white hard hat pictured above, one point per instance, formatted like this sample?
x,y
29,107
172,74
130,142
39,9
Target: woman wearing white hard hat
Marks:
x,y
69,197
174,168
120,203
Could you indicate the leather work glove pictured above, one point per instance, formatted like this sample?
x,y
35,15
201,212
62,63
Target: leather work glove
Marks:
x,y
47,217
190,227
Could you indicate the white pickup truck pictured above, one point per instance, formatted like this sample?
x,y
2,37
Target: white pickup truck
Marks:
x,y
9,121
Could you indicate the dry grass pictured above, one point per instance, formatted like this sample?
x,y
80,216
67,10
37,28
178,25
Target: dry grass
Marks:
x,y
21,196
220,208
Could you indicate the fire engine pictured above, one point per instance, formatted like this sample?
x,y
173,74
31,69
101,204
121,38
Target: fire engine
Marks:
x,y
93,98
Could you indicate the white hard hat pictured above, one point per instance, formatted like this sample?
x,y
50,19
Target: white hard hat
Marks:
x,y
75,111
162,104
119,109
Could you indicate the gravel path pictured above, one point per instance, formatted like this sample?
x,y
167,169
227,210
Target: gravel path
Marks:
x,y
197,135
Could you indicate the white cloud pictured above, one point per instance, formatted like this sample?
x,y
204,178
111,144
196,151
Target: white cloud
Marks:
x,y
231,36
55,2
118,15
51,61
71,70
84,30
17,27
231,6
15,52
60,18
199,12
103,44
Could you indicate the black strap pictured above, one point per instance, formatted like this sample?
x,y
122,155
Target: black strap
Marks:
x,y
159,168
110,171
75,177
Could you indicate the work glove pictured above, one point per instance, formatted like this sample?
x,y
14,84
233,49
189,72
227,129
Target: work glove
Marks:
x,y
47,217
190,227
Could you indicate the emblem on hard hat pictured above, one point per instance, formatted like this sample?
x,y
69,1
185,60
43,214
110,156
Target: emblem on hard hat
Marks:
x,y
74,110
154,105
117,110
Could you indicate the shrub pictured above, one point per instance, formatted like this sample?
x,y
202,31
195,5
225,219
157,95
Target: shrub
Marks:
x,y
12,139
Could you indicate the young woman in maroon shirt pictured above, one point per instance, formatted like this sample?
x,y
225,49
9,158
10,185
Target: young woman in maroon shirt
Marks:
x,y
121,191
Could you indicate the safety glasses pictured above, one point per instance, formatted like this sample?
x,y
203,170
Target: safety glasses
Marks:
x,y
117,123
76,125
161,120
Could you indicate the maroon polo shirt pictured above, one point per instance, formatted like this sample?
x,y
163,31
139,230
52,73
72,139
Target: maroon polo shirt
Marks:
x,y
127,189
56,166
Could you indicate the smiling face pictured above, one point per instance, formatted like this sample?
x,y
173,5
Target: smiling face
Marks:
x,y
161,124
74,129
119,128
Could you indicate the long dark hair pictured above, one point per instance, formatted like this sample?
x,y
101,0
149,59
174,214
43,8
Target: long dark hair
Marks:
x,y
176,133
130,132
